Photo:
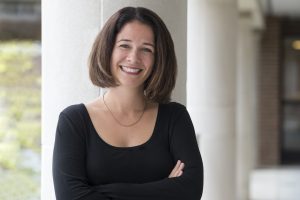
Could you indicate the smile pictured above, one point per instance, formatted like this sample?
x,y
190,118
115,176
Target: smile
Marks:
x,y
130,70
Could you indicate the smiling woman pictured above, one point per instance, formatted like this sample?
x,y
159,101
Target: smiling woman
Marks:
x,y
131,143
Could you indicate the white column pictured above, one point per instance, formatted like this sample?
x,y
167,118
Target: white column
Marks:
x,y
211,90
174,14
248,48
68,30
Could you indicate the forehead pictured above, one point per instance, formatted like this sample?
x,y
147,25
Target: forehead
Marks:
x,y
136,30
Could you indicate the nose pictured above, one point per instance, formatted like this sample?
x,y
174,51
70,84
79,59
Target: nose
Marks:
x,y
133,56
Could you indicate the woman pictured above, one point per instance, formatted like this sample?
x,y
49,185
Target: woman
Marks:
x,y
132,143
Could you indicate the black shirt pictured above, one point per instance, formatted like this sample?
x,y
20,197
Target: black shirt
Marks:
x,y
85,167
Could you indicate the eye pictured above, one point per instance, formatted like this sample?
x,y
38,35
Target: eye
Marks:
x,y
124,46
147,50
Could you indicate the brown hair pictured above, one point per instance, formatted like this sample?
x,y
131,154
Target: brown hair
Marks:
x,y
159,85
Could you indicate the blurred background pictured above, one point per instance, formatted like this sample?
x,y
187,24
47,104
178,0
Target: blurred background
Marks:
x,y
20,99
239,76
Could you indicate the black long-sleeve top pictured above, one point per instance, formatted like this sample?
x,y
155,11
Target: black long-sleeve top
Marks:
x,y
85,167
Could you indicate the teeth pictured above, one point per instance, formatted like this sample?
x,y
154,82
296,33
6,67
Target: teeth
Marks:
x,y
130,70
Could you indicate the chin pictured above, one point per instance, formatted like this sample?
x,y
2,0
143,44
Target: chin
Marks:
x,y
131,84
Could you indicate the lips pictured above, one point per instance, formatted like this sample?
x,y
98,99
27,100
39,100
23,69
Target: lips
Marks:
x,y
131,70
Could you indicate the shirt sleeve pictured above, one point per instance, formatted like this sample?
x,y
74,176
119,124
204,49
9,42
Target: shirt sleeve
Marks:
x,y
69,174
184,147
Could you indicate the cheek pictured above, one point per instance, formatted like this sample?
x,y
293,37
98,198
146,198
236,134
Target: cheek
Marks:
x,y
117,56
149,61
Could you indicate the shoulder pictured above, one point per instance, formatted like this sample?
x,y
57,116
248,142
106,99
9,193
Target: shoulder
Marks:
x,y
72,123
73,119
173,110
174,107
74,113
73,108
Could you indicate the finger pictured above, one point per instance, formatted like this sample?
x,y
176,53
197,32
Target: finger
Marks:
x,y
181,166
180,173
175,169
176,173
179,170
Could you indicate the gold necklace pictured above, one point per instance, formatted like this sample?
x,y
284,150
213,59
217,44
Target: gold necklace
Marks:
x,y
120,123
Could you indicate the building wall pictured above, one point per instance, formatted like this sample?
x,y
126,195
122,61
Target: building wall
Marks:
x,y
269,93
20,19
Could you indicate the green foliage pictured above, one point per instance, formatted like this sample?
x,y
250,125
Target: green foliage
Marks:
x,y
20,116
19,186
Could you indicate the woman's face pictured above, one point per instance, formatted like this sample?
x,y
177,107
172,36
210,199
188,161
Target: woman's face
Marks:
x,y
133,54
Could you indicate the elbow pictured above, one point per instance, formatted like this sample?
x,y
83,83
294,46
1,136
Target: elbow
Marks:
x,y
191,188
196,185
195,192
192,193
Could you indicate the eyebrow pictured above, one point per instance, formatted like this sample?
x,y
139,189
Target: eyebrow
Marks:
x,y
126,40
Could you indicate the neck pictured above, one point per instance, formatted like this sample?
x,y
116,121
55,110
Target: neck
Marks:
x,y
125,101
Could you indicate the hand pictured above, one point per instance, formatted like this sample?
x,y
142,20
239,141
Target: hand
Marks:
x,y
177,170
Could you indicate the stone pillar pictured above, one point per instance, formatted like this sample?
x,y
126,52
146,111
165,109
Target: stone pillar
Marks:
x,y
248,49
174,14
211,90
69,28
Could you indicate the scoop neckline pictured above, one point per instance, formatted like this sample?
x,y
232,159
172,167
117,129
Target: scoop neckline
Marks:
x,y
124,148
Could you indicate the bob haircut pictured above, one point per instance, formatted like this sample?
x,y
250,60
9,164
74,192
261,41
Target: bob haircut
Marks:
x,y
160,83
